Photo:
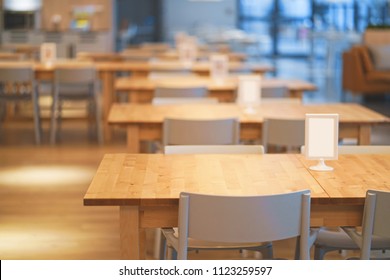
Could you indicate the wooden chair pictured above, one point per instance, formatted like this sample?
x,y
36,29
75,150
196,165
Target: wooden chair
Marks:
x,y
240,221
335,239
17,84
283,132
75,83
375,225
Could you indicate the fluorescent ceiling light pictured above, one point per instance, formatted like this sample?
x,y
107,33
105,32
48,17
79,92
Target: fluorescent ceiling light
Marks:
x,y
22,5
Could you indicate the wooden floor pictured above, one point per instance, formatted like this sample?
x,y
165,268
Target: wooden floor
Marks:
x,y
41,200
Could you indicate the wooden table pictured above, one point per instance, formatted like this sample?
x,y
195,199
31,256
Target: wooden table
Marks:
x,y
146,187
108,70
203,55
8,56
143,68
144,121
141,89
347,184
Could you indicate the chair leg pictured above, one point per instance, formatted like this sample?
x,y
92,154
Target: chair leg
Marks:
x,y
54,112
268,252
163,247
37,117
3,108
92,128
159,244
170,253
319,253
98,113
297,254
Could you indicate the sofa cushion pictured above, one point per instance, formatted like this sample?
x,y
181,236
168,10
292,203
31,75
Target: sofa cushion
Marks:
x,y
379,76
364,54
381,56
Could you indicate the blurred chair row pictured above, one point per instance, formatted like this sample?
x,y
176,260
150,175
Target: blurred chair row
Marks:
x,y
279,93
237,220
17,83
278,133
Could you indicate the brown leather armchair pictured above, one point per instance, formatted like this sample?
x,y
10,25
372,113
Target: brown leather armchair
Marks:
x,y
359,74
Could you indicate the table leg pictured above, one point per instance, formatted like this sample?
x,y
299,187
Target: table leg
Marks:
x,y
133,142
294,93
107,100
364,135
131,236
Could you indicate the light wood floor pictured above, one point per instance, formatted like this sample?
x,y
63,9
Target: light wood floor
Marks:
x,y
41,200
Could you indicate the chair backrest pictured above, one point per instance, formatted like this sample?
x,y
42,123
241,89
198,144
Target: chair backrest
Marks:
x,y
75,75
375,219
274,92
155,75
182,92
16,79
183,100
244,219
14,73
283,132
201,132
370,149
214,149
76,81
281,100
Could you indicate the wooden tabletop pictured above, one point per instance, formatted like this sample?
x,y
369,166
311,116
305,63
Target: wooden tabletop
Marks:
x,y
177,65
353,176
133,113
203,55
136,179
115,66
7,56
230,83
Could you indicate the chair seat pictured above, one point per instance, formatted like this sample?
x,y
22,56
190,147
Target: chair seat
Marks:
x,y
194,244
336,237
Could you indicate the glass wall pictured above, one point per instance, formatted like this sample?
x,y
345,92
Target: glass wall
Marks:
x,y
300,27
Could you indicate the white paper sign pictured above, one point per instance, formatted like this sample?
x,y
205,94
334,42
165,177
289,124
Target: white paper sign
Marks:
x,y
48,53
180,38
249,90
187,53
219,67
321,138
